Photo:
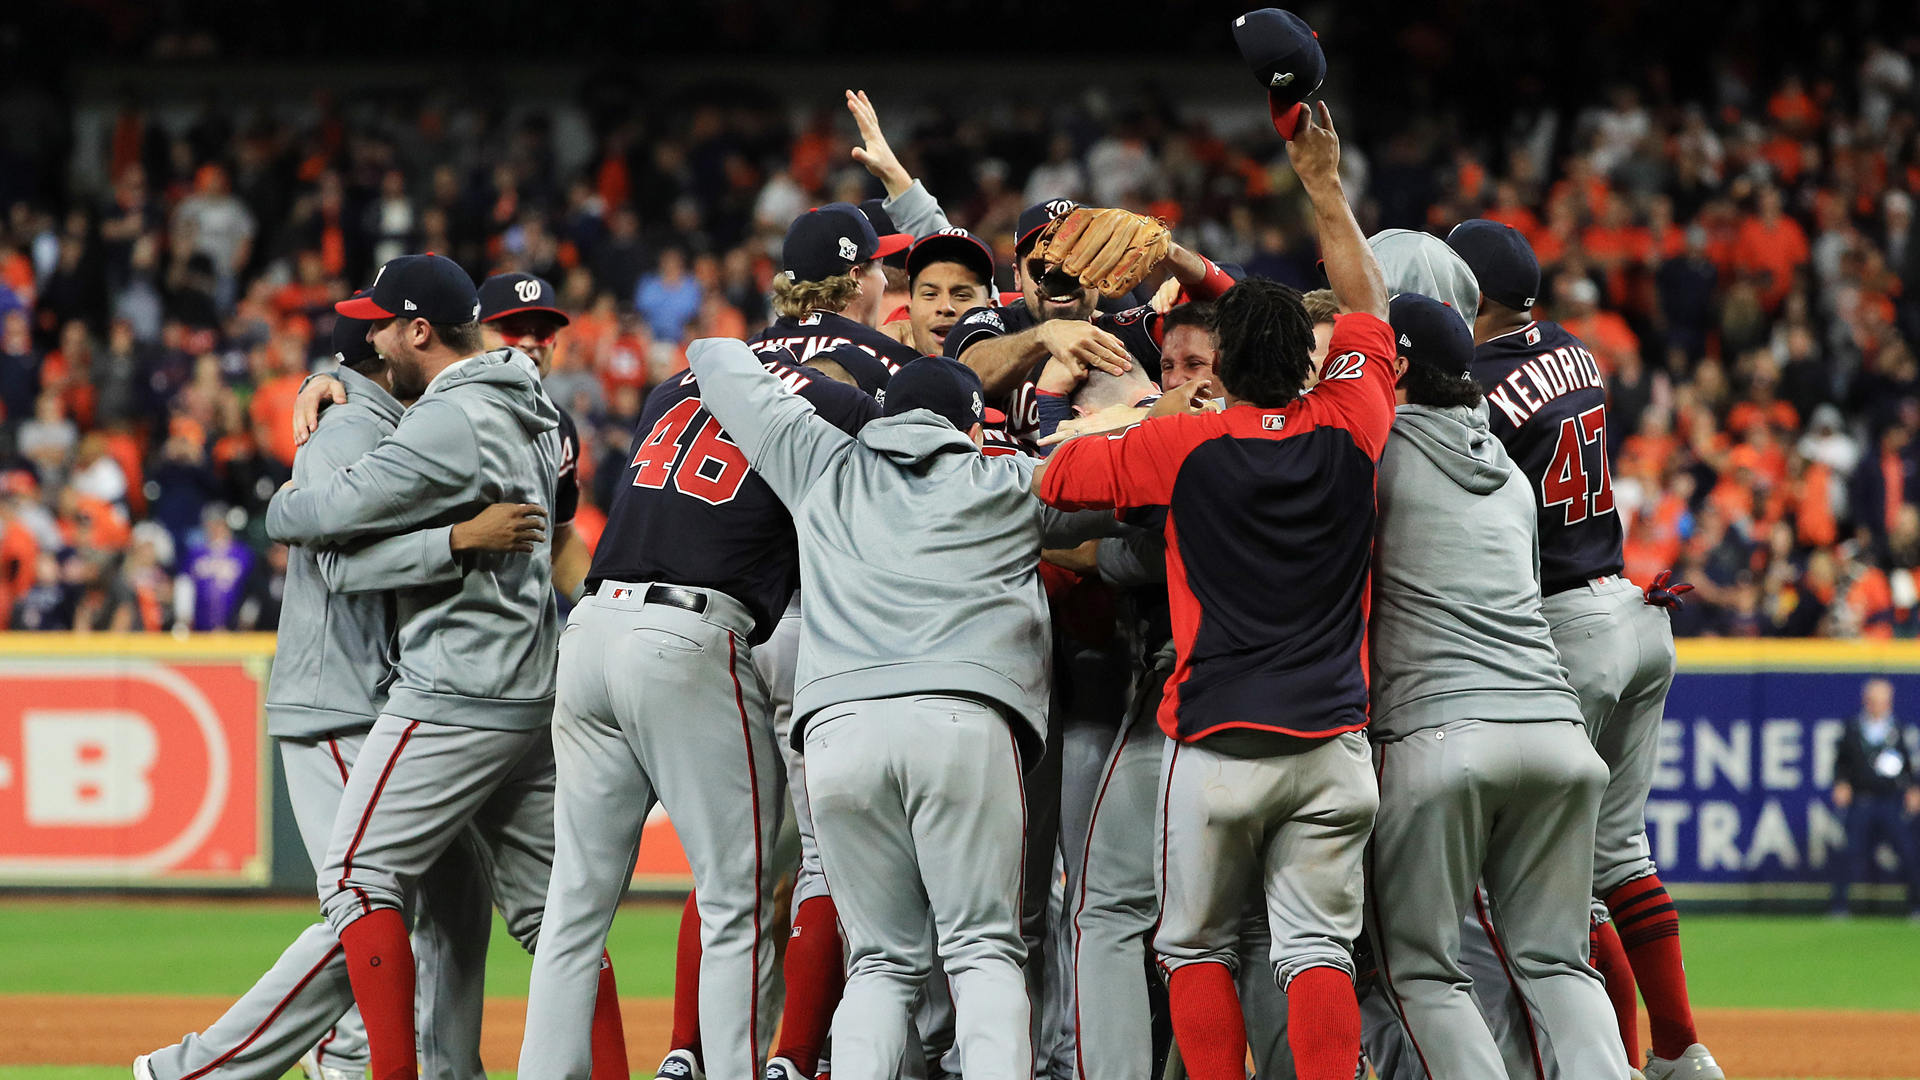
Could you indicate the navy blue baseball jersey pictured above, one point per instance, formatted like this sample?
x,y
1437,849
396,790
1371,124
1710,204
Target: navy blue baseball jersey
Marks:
x,y
691,511
1547,401
850,341
566,492
1138,328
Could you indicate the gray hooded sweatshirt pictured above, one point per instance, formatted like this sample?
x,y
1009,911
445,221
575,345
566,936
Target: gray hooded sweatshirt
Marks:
x,y
476,650
1457,632
919,555
1417,262
336,653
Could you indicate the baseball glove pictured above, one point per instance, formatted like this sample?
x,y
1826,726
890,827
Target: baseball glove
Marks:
x,y
1108,250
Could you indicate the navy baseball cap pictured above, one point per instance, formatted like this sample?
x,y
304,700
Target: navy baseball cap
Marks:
x,y
350,344
946,387
952,244
1501,260
1037,217
1285,56
510,294
430,287
1431,334
830,240
893,242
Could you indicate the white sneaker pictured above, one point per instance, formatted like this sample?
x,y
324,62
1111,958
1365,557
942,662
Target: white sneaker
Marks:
x,y
310,1065
784,1069
680,1065
1695,1063
142,1068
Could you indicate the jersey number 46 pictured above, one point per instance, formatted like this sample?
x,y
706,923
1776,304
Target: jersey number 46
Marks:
x,y
1567,482
711,469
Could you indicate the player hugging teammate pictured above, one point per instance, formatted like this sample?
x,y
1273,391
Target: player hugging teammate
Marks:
x,y
1287,632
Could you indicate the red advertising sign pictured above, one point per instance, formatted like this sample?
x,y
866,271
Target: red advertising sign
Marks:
x,y
131,771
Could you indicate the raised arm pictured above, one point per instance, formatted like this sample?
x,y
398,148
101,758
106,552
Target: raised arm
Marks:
x,y
1352,270
784,439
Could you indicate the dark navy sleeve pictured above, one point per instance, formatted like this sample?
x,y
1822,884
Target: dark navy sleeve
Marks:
x,y
843,406
1055,409
976,325
868,370
1138,329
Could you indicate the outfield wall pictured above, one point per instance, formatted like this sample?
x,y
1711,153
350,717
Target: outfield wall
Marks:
x,y
141,761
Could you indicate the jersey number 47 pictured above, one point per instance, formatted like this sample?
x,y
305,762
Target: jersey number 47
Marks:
x,y
1567,482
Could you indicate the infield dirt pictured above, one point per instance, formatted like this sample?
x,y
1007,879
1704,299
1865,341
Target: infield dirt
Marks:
x,y
66,1029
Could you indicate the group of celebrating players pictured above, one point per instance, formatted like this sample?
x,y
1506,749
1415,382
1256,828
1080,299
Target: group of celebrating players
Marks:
x,y
1187,668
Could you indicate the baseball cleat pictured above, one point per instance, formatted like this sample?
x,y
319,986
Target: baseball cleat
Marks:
x,y
142,1068
680,1065
1694,1063
310,1067
784,1069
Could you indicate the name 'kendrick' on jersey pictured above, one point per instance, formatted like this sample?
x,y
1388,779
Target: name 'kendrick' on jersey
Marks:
x,y
1547,401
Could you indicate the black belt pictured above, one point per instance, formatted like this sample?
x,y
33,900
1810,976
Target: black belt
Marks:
x,y
675,597
672,596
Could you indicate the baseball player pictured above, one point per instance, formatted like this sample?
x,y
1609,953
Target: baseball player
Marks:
x,y
839,305
1484,768
330,678
660,698
1266,777
1547,403
518,311
908,535
463,736
1422,264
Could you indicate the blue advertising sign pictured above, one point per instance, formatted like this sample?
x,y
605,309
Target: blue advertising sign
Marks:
x,y
1741,806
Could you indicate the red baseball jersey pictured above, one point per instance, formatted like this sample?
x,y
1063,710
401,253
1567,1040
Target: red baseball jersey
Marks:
x,y
1270,517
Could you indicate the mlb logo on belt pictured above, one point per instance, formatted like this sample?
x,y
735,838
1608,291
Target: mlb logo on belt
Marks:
x,y
622,594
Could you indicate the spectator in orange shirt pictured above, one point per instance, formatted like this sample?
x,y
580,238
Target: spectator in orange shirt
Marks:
x,y
1507,209
68,372
92,523
1585,187
1617,246
1605,332
272,407
1791,107
1760,406
19,559
1561,236
1771,246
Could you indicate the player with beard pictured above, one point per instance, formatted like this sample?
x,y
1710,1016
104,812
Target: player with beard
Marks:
x,y
1008,347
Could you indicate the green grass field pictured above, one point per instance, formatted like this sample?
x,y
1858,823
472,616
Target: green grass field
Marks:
x,y
218,947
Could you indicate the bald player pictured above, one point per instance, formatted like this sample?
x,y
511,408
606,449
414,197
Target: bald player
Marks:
x,y
1548,403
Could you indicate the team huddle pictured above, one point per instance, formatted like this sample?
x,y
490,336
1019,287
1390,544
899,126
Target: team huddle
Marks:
x,y
1148,668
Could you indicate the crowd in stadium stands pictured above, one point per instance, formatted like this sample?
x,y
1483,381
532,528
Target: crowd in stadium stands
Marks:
x,y
1745,269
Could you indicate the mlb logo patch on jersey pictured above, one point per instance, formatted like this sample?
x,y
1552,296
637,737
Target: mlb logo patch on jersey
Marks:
x,y
1533,335
1274,422
622,594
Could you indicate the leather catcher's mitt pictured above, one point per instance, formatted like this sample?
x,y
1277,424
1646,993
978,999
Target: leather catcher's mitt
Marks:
x,y
1108,250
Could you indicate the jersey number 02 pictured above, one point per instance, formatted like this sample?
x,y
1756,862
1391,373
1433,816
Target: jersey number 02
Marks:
x,y
1567,482
710,469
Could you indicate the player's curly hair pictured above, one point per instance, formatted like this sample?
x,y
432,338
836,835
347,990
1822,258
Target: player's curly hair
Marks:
x,y
1266,342
1436,388
799,299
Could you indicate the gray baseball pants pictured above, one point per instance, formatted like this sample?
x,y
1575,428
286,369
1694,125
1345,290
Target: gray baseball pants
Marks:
x,y
1293,828
304,1001
1618,652
1510,804
918,807
657,703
